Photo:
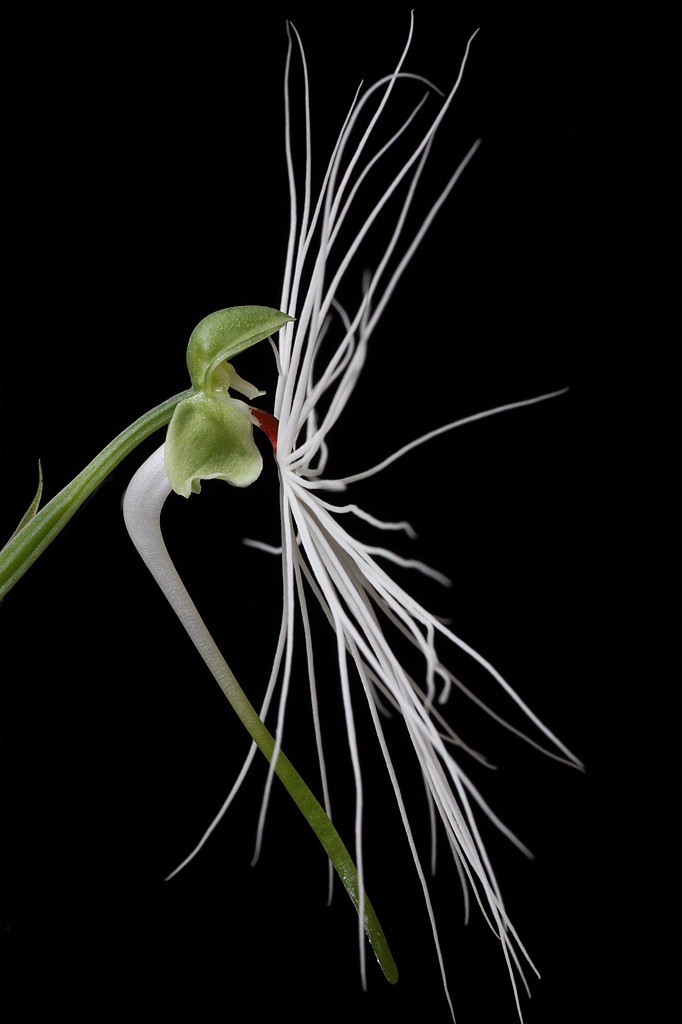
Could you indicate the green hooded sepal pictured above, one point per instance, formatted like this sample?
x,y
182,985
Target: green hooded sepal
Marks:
x,y
221,335
211,440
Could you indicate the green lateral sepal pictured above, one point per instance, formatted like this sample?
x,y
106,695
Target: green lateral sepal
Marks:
x,y
211,439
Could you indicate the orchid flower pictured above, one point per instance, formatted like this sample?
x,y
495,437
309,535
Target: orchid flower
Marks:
x,y
322,346
319,359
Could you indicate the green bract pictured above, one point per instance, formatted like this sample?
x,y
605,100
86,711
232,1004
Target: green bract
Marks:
x,y
211,433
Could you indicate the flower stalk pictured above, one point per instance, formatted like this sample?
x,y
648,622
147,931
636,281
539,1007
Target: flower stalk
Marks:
x,y
29,542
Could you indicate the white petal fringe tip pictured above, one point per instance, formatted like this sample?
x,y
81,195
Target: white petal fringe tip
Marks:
x,y
319,555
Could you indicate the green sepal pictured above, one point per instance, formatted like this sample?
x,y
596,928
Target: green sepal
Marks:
x,y
221,335
211,439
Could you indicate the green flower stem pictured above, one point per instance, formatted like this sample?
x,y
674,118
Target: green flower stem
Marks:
x,y
315,815
142,506
30,541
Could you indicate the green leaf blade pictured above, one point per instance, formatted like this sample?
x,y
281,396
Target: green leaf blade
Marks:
x,y
34,506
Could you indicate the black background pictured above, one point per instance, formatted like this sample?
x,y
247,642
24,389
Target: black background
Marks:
x,y
143,187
